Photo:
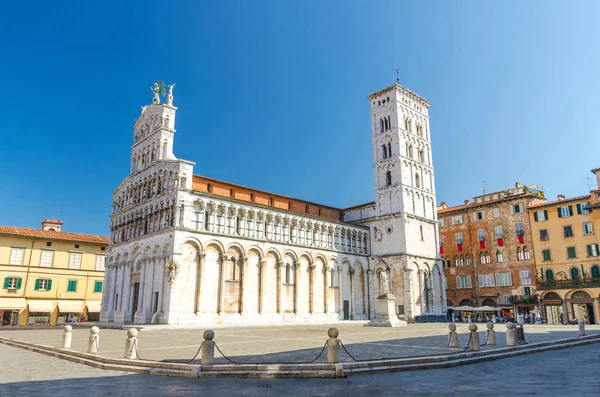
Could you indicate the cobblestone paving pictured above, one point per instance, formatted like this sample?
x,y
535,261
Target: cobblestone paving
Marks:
x,y
289,343
568,372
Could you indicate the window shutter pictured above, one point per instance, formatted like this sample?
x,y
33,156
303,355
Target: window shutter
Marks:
x,y
559,212
597,250
570,210
512,209
49,287
6,282
579,209
545,215
37,284
19,282
535,217
589,249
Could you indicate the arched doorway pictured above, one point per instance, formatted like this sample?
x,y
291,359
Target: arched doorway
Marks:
x,y
489,302
466,302
553,308
582,307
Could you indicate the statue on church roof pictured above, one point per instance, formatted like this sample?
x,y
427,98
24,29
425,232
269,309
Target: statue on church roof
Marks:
x,y
170,97
159,90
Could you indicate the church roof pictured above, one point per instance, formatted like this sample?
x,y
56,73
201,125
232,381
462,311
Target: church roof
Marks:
x,y
52,235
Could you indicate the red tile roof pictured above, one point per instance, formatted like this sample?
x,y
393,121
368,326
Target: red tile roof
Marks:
x,y
567,200
52,235
483,203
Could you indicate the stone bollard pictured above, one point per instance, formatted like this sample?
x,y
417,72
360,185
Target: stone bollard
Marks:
x,y
93,340
131,344
67,337
475,346
453,335
491,334
581,326
333,346
208,348
511,337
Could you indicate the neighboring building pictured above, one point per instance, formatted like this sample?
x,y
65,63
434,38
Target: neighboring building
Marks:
x,y
187,249
567,259
486,250
48,273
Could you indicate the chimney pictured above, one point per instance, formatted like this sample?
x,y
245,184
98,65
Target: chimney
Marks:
x,y
53,225
560,197
466,201
517,184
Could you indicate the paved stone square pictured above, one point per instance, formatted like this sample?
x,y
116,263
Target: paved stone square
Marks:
x,y
279,344
572,372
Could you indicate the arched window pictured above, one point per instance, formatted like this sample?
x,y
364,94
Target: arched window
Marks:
x,y
206,220
388,178
499,256
387,124
456,263
525,253
574,273
549,275
410,151
332,278
482,258
467,260
488,260
462,261
595,271
381,125
234,269
287,274
384,152
417,180
197,215
389,150
519,254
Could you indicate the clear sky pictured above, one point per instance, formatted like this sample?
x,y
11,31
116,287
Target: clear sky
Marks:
x,y
271,95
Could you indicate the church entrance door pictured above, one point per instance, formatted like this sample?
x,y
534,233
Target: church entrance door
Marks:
x,y
136,295
346,310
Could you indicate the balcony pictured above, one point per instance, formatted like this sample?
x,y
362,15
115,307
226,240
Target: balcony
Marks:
x,y
568,284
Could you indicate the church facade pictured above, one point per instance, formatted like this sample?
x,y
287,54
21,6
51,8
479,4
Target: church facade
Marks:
x,y
187,249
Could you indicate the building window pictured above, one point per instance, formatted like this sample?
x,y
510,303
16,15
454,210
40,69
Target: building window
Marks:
x,y
565,211
588,229
421,156
481,235
46,258
498,231
571,253
49,244
484,258
441,222
540,216
208,189
16,256
74,261
499,256
252,197
595,271
457,219
525,276
568,231
463,282
388,178
593,250
525,253
546,255
389,150
467,260
479,215
100,262
549,275
456,261
458,238
520,254
496,212
544,234
519,229
12,282
486,280
43,284
574,273
98,286
384,152
287,274
504,279
527,291
421,230
72,286
417,180
517,208
583,208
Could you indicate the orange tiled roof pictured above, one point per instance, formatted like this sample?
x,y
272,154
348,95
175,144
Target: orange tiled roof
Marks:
x,y
48,234
567,200
475,204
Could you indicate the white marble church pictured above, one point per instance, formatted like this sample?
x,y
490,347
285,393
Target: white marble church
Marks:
x,y
187,249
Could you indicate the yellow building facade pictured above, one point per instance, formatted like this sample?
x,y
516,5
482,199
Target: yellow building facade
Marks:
x,y
567,259
48,274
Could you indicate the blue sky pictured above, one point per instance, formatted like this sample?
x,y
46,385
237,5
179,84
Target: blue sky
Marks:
x,y
272,95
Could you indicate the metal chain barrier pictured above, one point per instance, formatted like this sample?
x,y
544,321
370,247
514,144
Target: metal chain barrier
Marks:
x,y
290,362
196,355
137,353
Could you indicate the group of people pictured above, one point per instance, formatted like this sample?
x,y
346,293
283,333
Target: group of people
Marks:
x,y
71,319
521,318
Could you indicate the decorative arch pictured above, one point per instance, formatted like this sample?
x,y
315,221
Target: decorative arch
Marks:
x,y
552,295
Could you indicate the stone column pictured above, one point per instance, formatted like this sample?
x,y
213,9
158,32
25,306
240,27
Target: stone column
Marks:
x,y
408,295
151,292
221,282
111,290
260,265
295,267
278,267
311,288
162,264
351,272
123,267
421,290
325,289
140,308
126,292
242,262
201,257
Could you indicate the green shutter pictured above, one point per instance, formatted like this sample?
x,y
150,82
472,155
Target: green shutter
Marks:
x,y
589,248
579,209
98,286
559,213
545,215
535,218
72,286
49,287
37,284
6,282
19,282
570,210
597,250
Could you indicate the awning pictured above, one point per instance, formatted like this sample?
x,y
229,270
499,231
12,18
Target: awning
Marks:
x,y
487,309
463,308
73,307
12,303
42,306
93,306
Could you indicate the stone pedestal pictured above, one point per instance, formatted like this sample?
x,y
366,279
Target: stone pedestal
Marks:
x,y
386,313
